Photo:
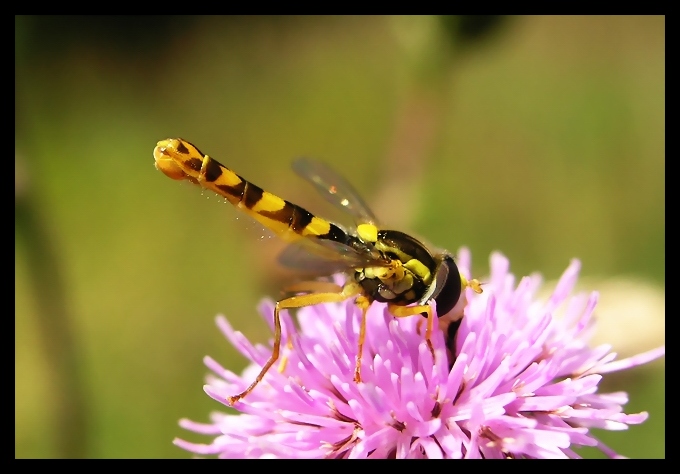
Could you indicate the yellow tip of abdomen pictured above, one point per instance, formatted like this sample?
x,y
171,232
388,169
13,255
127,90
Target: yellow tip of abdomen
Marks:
x,y
165,162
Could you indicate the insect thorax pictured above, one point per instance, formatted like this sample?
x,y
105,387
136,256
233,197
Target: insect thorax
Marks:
x,y
410,272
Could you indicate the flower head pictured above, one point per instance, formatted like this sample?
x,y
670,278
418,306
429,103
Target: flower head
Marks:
x,y
521,383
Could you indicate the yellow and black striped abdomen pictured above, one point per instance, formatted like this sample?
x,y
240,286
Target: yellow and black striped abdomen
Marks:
x,y
179,159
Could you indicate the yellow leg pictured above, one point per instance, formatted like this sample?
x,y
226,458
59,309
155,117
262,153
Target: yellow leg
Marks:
x,y
419,326
404,311
299,301
306,287
363,303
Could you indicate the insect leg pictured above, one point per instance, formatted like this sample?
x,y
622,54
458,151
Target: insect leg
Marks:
x,y
313,286
298,301
270,362
404,311
363,303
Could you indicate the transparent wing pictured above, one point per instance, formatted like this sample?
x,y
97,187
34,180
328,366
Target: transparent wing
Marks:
x,y
334,188
299,258
324,257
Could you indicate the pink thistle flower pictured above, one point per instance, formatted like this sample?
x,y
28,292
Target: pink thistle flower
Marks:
x,y
523,383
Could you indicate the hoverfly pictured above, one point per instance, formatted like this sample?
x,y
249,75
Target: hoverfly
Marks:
x,y
387,266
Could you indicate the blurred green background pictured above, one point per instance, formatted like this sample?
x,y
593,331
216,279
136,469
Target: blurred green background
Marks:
x,y
541,137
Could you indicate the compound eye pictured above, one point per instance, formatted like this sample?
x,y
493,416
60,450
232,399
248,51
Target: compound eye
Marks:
x,y
449,286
